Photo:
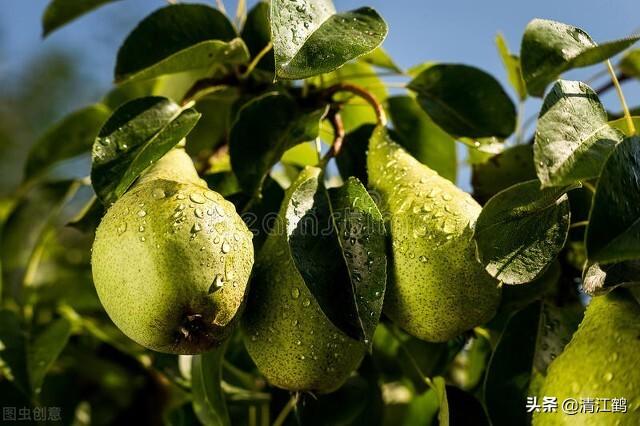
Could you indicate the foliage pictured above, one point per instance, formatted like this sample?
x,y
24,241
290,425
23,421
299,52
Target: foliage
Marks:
x,y
263,106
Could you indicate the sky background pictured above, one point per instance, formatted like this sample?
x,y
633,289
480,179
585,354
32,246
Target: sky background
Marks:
x,y
460,31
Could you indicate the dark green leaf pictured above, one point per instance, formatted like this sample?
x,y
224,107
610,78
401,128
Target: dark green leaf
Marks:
x,y
72,136
422,137
136,135
256,33
573,138
61,12
613,234
337,242
208,399
422,410
352,160
379,58
511,64
44,349
521,230
532,338
465,101
177,38
13,351
264,129
600,279
516,297
630,63
513,165
550,48
310,38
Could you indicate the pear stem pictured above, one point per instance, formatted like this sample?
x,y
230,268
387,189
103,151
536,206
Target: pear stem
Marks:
x,y
338,137
279,421
360,91
631,128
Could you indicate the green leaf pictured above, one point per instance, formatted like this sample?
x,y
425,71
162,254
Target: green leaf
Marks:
x,y
13,351
344,265
25,229
44,349
70,137
517,297
264,129
465,101
613,234
60,12
309,38
511,64
521,230
630,63
550,48
513,165
573,138
178,38
304,154
600,279
533,337
379,58
136,135
208,399
422,137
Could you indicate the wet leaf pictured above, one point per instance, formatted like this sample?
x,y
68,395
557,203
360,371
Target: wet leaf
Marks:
x,y
550,48
342,262
310,38
465,101
136,135
573,138
521,230
613,234
511,64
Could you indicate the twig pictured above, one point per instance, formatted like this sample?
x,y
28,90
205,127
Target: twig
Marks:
x,y
338,136
579,224
381,116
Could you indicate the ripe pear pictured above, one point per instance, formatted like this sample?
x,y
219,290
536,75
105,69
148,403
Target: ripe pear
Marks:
x,y
288,336
600,361
437,289
171,260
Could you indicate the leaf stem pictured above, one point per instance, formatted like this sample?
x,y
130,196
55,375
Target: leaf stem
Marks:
x,y
279,421
589,186
413,361
627,115
338,137
256,60
381,116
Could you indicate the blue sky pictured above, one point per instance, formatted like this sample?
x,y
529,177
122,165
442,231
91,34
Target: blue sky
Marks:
x,y
449,31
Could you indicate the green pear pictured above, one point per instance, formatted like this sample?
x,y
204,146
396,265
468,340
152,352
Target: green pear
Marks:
x,y
437,289
288,336
171,260
600,361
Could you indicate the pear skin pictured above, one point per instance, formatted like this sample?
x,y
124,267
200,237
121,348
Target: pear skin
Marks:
x,y
601,361
437,289
171,261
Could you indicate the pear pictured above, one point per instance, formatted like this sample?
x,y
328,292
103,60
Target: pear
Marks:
x,y
287,335
171,260
600,361
437,289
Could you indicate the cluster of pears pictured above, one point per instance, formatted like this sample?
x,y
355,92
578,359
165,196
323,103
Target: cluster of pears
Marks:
x,y
600,361
171,260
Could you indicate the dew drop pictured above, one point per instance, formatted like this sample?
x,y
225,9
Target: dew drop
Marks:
x,y
197,198
158,193
226,247
295,292
217,284
196,228
306,302
142,213
199,213
122,228
141,228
